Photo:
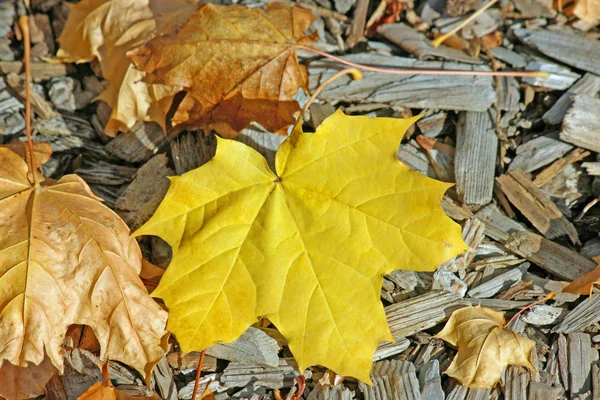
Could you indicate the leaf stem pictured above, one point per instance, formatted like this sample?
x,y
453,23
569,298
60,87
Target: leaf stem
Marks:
x,y
355,73
441,39
534,74
196,382
24,25
550,296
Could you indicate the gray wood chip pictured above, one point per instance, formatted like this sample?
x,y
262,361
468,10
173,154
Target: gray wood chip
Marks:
x,y
392,379
474,93
560,78
499,283
580,367
581,125
577,51
475,159
539,152
253,347
582,316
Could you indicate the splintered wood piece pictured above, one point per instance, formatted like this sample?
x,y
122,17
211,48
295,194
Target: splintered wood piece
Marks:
x,y
540,391
592,168
554,258
431,381
475,159
499,283
516,380
39,70
581,125
585,314
588,85
139,144
239,375
535,206
392,379
559,165
254,347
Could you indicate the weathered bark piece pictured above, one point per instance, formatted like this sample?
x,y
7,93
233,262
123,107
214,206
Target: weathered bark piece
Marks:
x,y
539,152
139,144
418,45
142,197
498,283
554,258
431,381
588,85
253,347
239,375
592,168
191,150
535,206
40,106
454,210
410,154
516,379
580,363
472,93
535,8
577,51
582,316
540,391
103,173
498,304
186,361
542,315
392,379
475,159
581,125
497,225
558,166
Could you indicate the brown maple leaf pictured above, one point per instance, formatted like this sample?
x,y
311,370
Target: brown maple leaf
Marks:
x,y
66,259
237,65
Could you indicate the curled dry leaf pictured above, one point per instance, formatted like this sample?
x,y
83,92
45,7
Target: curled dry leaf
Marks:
x,y
306,247
107,29
485,347
237,65
67,259
585,283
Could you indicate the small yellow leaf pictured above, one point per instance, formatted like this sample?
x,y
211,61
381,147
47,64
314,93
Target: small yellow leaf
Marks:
x,y
485,347
306,247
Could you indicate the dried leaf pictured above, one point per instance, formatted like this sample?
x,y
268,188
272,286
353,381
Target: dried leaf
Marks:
x,y
67,259
306,247
485,347
237,65
107,29
585,283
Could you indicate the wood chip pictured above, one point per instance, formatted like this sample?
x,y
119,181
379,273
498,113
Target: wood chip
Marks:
x,y
359,21
558,166
554,258
497,284
239,375
577,51
581,125
588,85
582,316
497,225
139,144
417,44
392,379
39,70
253,347
535,206
539,152
475,160
580,363
472,93
431,381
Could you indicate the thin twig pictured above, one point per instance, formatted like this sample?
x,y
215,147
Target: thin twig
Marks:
x,y
24,25
439,40
196,382
356,75
538,74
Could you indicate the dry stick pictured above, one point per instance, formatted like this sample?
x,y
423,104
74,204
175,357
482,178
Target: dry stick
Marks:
x,y
436,42
24,25
550,296
356,75
535,74
198,374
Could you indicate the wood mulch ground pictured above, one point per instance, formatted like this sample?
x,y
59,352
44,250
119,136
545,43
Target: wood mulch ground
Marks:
x,y
522,152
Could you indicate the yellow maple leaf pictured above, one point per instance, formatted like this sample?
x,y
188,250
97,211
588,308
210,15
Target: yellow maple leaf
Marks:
x,y
66,259
485,347
237,65
107,29
306,247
